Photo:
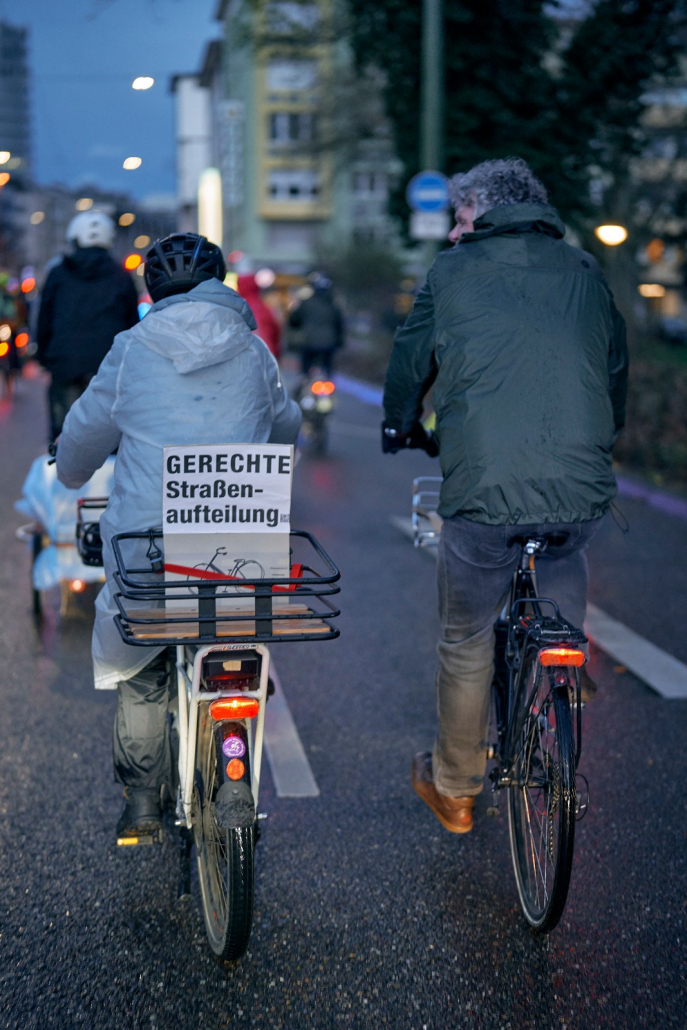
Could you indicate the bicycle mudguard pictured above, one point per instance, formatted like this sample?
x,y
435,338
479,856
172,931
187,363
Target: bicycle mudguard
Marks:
x,y
234,805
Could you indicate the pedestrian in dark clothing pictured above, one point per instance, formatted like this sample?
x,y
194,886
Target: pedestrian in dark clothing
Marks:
x,y
518,334
320,323
86,300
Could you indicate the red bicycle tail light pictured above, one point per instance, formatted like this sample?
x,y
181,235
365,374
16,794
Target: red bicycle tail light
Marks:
x,y
562,656
234,708
21,340
235,769
322,388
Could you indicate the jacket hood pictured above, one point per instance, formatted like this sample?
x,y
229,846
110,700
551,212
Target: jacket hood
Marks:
x,y
208,325
89,262
516,218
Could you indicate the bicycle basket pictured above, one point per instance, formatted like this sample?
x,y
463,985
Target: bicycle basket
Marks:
x,y
218,608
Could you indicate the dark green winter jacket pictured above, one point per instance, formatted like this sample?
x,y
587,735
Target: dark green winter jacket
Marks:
x,y
518,333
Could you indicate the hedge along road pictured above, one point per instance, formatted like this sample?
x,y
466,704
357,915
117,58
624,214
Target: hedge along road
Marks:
x,y
368,913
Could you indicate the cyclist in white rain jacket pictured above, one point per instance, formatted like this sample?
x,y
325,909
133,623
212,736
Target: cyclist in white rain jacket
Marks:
x,y
190,372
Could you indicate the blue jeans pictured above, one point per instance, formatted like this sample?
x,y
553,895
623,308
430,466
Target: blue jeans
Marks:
x,y
476,563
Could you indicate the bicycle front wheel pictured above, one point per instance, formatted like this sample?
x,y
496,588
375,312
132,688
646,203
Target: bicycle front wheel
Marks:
x,y
225,858
541,797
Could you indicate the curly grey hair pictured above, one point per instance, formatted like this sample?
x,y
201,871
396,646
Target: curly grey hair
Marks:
x,y
495,183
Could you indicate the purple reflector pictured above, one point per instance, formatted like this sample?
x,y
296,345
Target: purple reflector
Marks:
x,y
233,747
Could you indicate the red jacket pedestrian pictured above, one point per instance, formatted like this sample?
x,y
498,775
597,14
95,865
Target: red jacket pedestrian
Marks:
x,y
269,329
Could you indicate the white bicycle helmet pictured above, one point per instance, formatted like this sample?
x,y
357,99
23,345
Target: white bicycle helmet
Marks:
x,y
91,229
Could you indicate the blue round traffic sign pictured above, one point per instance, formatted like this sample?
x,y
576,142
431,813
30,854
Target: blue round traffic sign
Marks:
x,y
428,191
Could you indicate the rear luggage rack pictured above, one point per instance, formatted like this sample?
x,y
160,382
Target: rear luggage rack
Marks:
x,y
164,613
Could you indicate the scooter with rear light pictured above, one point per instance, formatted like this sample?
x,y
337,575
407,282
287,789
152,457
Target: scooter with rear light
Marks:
x,y
317,400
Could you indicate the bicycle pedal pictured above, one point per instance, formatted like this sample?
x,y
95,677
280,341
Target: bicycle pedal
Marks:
x,y
139,839
493,812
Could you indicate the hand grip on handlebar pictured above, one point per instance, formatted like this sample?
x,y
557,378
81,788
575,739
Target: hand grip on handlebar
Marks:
x,y
418,438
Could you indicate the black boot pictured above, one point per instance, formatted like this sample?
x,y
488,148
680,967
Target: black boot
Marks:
x,y
142,815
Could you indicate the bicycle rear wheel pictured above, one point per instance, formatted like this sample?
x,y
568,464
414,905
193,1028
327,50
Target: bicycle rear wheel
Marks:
x,y
541,798
225,858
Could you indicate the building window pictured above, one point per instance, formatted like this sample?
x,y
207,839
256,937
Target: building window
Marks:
x,y
287,129
290,75
370,184
293,185
287,17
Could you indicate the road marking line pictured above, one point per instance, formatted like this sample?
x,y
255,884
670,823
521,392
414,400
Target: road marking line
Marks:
x,y
291,772
349,429
659,670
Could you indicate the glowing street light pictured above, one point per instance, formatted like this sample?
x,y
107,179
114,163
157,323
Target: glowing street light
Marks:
x,y
143,82
210,205
132,261
128,218
141,241
84,204
132,162
652,290
4,178
4,156
611,235
37,217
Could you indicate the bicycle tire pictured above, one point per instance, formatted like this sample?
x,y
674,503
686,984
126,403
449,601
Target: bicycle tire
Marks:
x,y
225,859
541,798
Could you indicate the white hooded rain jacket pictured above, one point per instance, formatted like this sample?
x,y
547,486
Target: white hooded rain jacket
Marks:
x,y
191,372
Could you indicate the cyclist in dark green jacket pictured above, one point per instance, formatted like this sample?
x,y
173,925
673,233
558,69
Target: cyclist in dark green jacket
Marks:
x,y
518,335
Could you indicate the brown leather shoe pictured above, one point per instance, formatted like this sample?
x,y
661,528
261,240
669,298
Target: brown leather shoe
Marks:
x,y
453,813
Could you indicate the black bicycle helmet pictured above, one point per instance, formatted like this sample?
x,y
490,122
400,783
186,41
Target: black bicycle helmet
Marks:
x,y
179,262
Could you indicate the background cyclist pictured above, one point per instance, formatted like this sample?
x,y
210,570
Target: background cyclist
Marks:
x,y
86,300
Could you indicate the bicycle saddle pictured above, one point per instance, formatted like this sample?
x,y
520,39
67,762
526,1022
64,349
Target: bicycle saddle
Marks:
x,y
556,539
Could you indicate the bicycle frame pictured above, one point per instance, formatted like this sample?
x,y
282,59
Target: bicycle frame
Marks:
x,y
190,697
538,630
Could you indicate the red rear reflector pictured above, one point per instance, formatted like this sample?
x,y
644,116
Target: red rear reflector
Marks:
x,y
562,656
322,388
234,708
235,769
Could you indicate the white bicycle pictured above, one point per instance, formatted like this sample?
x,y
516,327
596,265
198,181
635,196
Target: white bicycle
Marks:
x,y
217,633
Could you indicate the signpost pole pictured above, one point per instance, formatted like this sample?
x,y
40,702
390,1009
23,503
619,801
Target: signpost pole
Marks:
x,y
432,110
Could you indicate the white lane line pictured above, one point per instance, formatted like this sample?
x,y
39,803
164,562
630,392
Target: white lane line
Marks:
x,y
659,670
350,429
291,772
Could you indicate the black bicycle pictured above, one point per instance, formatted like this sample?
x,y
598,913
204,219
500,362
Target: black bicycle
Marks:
x,y
539,737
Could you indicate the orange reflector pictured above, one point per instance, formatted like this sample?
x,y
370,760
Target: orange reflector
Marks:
x,y
235,769
562,656
4,349
21,340
77,586
322,388
234,708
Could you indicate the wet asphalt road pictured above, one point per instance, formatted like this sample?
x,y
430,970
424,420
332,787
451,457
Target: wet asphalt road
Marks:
x,y
368,913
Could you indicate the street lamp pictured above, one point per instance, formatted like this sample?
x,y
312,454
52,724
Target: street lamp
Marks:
x,y
143,82
132,162
611,235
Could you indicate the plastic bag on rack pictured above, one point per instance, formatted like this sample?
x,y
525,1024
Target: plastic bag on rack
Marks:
x,y
53,507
